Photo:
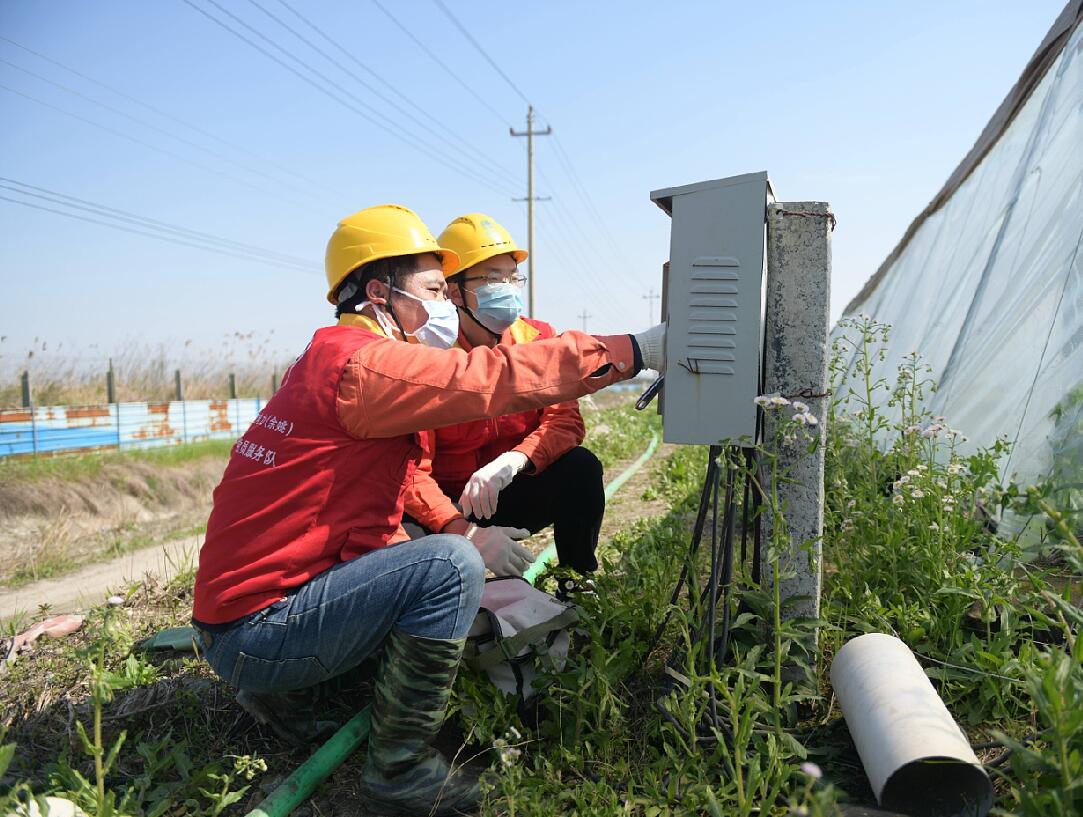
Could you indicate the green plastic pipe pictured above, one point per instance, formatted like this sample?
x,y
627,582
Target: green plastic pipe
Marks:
x,y
550,553
293,791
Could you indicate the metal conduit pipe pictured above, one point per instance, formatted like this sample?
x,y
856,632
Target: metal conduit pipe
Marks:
x,y
305,778
915,755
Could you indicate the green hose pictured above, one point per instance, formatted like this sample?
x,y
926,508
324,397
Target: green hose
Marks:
x,y
293,791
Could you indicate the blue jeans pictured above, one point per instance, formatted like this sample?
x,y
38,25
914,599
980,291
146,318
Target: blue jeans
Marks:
x,y
429,587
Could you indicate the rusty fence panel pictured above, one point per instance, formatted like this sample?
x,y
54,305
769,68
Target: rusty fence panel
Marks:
x,y
57,429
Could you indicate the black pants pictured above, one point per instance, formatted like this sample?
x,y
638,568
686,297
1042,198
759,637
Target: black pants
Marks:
x,y
567,495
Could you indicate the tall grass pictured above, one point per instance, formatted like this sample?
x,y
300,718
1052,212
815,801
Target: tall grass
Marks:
x,y
60,376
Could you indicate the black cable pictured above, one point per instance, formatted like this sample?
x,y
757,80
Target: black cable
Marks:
x,y
177,241
697,533
428,52
388,127
727,553
470,38
712,600
163,131
105,211
212,171
263,160
424,125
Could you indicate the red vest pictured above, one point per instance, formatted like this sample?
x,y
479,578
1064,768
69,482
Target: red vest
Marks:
x,y
463,448
300,494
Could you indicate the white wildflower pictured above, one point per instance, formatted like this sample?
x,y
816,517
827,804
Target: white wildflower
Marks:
x,y
917,493
955,468
812,770
909,430
934,526
761,400
800,419
799,407
115,601
905,478
897,499
914,472
514,733
778,401
811,419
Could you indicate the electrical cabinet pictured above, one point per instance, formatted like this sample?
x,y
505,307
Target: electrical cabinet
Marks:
x,y
713,305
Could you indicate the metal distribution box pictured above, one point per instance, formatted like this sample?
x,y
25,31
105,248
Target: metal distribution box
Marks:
x,y
713,302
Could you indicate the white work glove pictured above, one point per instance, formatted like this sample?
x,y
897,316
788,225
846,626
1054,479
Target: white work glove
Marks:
x,y
499,549
652,347
482,490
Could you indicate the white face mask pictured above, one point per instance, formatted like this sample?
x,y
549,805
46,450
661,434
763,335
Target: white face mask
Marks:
x,y
440,330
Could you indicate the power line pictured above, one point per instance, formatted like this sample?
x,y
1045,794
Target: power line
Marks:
x,y
480,50
215,172
465,147
159,112
146,222
388,126
584,194
157,236
447,70
216,154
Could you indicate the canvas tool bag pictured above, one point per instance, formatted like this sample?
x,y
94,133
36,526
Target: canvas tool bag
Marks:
x,y
518,632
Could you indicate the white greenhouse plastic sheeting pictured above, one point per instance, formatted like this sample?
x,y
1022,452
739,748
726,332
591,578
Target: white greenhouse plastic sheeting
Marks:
x,y
989,286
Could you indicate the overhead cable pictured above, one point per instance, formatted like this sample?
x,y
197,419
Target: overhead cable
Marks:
x,y
371,115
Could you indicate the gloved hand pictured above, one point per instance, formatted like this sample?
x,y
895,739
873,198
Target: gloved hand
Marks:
x,y
652,347
499,549
482,490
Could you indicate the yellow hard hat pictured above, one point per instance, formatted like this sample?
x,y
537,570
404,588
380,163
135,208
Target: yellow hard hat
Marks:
x,y
379,232
475,238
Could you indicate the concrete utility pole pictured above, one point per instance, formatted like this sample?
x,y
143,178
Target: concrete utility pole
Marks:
x,y
798,300
530,133
583,317
651,297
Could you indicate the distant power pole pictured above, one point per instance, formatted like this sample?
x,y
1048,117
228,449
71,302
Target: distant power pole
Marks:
x,y
651,298
530,133
583,317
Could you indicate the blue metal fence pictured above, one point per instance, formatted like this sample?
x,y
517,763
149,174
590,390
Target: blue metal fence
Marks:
x,y
54,429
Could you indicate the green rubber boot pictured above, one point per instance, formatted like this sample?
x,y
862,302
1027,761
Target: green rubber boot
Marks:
x,y
403,773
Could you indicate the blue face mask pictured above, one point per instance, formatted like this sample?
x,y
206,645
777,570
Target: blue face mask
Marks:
x,y
499,306
441,330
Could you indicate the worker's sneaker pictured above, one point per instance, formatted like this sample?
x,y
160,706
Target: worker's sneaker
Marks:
x,y
290,715
403,774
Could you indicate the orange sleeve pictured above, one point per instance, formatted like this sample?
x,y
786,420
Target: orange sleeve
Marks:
x,y
560,429
424,500
389,388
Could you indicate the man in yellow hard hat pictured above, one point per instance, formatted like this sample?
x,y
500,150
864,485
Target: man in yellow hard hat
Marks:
x,y
519,473
306,570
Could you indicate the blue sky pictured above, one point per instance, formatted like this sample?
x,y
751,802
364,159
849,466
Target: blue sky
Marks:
x,y
867,105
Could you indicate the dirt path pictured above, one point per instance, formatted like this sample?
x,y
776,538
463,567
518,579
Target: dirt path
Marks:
x,y
92,584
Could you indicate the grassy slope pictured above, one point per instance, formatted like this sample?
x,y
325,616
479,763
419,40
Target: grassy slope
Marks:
x,y
67,511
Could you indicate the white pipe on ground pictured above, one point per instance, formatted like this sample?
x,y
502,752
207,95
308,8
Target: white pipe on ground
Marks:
x,y
916,757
